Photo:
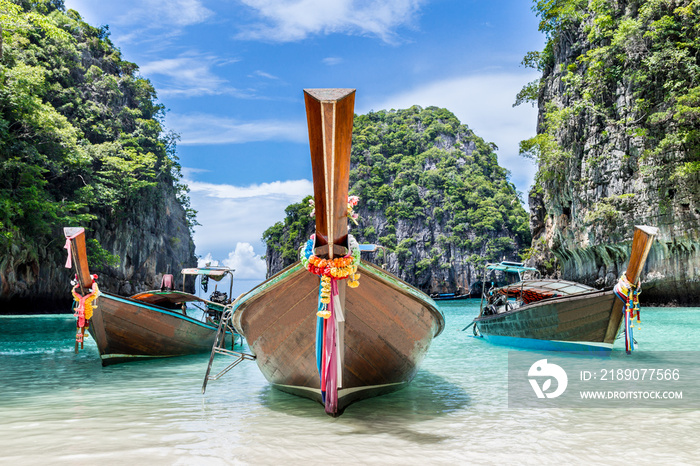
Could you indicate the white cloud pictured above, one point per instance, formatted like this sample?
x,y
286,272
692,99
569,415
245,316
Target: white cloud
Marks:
x,y
179,12
164,12
187,172
188,76
212,129
240,214
207,260
484,103
143,15
331,61
263,74
246,263
276,188
155,13
292,20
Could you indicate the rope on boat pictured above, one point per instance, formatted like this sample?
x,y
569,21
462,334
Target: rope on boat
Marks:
x,y
471,324
629,294
330,319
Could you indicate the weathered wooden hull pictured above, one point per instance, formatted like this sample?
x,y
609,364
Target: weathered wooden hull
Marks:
x,y
584,322
128,330
388,329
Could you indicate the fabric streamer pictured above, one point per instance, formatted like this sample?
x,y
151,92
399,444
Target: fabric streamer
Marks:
x,y
330,322
339,319
331,351
67,247
324,356
629,295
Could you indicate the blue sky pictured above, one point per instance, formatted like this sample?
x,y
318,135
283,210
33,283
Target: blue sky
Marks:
x,y
231,74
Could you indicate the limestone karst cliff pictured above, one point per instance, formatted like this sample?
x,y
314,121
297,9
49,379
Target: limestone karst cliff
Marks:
x,y
618,142
81,144
431,192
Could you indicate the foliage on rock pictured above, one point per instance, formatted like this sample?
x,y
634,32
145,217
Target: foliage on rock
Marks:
x,y
81,144
81,133
618,141
431,192
631,68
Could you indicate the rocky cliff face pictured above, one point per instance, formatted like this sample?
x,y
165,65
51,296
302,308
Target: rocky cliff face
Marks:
x,y
431,192
81,144
156,240
618,145
452,276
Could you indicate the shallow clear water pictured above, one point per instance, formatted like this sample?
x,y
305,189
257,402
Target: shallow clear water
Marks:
x,y
60,408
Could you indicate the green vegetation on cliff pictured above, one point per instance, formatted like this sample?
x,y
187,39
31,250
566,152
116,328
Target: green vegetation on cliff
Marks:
x,y
430,191
286,237
618,143
80,132
634,67
424,165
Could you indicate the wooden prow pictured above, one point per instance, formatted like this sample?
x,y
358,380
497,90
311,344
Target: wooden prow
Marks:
x,y
329,114
76,236
641,244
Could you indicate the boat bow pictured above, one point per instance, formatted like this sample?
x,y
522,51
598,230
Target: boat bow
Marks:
x,y
313,330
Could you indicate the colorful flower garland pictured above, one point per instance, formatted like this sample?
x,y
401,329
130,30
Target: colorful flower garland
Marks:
x,y
338,268
83,308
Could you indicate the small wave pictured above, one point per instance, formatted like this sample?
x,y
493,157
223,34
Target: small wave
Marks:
x,y
30,351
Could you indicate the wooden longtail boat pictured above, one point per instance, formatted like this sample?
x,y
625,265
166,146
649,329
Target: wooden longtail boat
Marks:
x,y
562,315
146,325
375,334
449,296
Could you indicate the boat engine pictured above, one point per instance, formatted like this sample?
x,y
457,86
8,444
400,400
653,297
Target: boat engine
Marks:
x,y
219,297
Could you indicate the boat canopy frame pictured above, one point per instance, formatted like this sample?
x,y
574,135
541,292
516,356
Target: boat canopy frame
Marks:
x,y
375,248
503,266
506,266
216,273
558,288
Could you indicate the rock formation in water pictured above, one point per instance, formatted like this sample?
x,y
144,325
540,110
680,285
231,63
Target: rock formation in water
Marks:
x,y
431,192
81,144
618,142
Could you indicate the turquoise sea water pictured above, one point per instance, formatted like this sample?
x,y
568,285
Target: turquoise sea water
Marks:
x,y
60,408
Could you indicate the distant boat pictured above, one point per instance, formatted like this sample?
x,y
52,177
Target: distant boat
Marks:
x,y
312,336
449,296
151,324
562,315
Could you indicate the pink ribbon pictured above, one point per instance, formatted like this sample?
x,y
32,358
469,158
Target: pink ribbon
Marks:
x,y
69,264
67,247
331,355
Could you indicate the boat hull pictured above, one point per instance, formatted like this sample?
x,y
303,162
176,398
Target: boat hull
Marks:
x,y
451,298
129,330
585,322
387,331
